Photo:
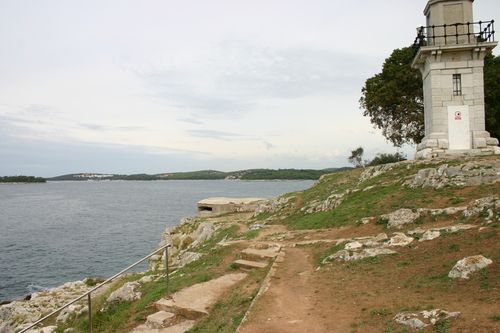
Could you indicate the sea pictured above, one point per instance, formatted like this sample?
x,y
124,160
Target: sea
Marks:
x,y
60,231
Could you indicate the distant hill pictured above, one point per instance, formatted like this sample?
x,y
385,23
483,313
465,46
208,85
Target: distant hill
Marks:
x,y
22,179
253,174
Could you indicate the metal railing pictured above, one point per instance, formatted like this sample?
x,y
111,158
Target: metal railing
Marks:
x,y
88,294
454,34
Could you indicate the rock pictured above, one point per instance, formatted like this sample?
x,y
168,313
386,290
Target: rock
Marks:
x,y
185,258
19,314
347,255
256,226
476,207
366,220
183,239
447,211
353,245
399,239
419,320
128,292
467,174
333,201
274,205
372,172
70,311
400,217
465,267
147,279
380,237
429,235
409,319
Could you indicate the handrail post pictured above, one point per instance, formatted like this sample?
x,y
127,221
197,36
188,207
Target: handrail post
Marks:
x,y
89,300
166,270
88,293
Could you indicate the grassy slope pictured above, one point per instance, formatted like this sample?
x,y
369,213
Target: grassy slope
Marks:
x,y
228,312
414,279
382,194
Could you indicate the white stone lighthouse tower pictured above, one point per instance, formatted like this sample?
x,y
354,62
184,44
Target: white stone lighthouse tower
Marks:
x,y
450,55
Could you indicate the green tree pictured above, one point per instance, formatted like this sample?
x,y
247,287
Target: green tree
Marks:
x,y
393,99
356,157
492,94
387,158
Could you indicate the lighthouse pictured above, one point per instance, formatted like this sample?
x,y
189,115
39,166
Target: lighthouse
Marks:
x,y
450,51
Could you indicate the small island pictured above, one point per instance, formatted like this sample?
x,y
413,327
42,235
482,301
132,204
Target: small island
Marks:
x,y
22,179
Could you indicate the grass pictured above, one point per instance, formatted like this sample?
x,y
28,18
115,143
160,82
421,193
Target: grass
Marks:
x,y
495,317
229,311
388,194
92,282
442,326
321,254
251,234
382,312
122,316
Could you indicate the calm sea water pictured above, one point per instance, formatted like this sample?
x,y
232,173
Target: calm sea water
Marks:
x,y
63,231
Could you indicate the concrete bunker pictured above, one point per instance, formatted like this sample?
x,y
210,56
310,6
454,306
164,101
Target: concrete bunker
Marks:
x,y
222,205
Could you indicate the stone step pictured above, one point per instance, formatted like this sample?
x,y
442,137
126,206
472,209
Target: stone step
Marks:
x,y
248,264
250,253
160,319
194,302
177,328
184,310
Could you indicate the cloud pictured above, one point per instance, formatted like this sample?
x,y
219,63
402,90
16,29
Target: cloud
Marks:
x,y
238,77
216,135
268,145
193,121
96,127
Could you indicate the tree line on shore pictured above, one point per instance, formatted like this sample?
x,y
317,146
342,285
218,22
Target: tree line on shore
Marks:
x,y
21,179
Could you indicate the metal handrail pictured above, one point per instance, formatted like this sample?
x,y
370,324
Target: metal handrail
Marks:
x,y
427,36
88,293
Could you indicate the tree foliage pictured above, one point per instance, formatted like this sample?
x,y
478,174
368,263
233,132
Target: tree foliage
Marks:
x,y
356,157
387,158
492,94
393,99
22,179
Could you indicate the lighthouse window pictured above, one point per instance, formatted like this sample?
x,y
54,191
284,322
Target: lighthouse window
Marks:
x,y
457,84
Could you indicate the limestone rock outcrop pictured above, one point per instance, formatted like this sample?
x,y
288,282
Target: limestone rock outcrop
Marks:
x,y
331,202
419,320
347,255
487,204
20,314
127,292
188,235
468,174
274,205
374,171
400,217
465,267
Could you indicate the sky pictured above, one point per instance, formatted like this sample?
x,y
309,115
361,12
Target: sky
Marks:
x,y
120,86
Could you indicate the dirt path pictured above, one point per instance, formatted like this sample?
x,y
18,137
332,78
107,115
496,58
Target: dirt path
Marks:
x,y
291,304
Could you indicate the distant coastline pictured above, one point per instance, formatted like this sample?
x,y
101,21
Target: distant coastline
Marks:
x,y
252,174
21,180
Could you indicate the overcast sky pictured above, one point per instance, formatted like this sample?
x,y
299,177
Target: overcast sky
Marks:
x,y
173,85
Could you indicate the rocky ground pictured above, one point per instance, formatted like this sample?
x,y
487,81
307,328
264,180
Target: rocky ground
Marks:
x,y
404,247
